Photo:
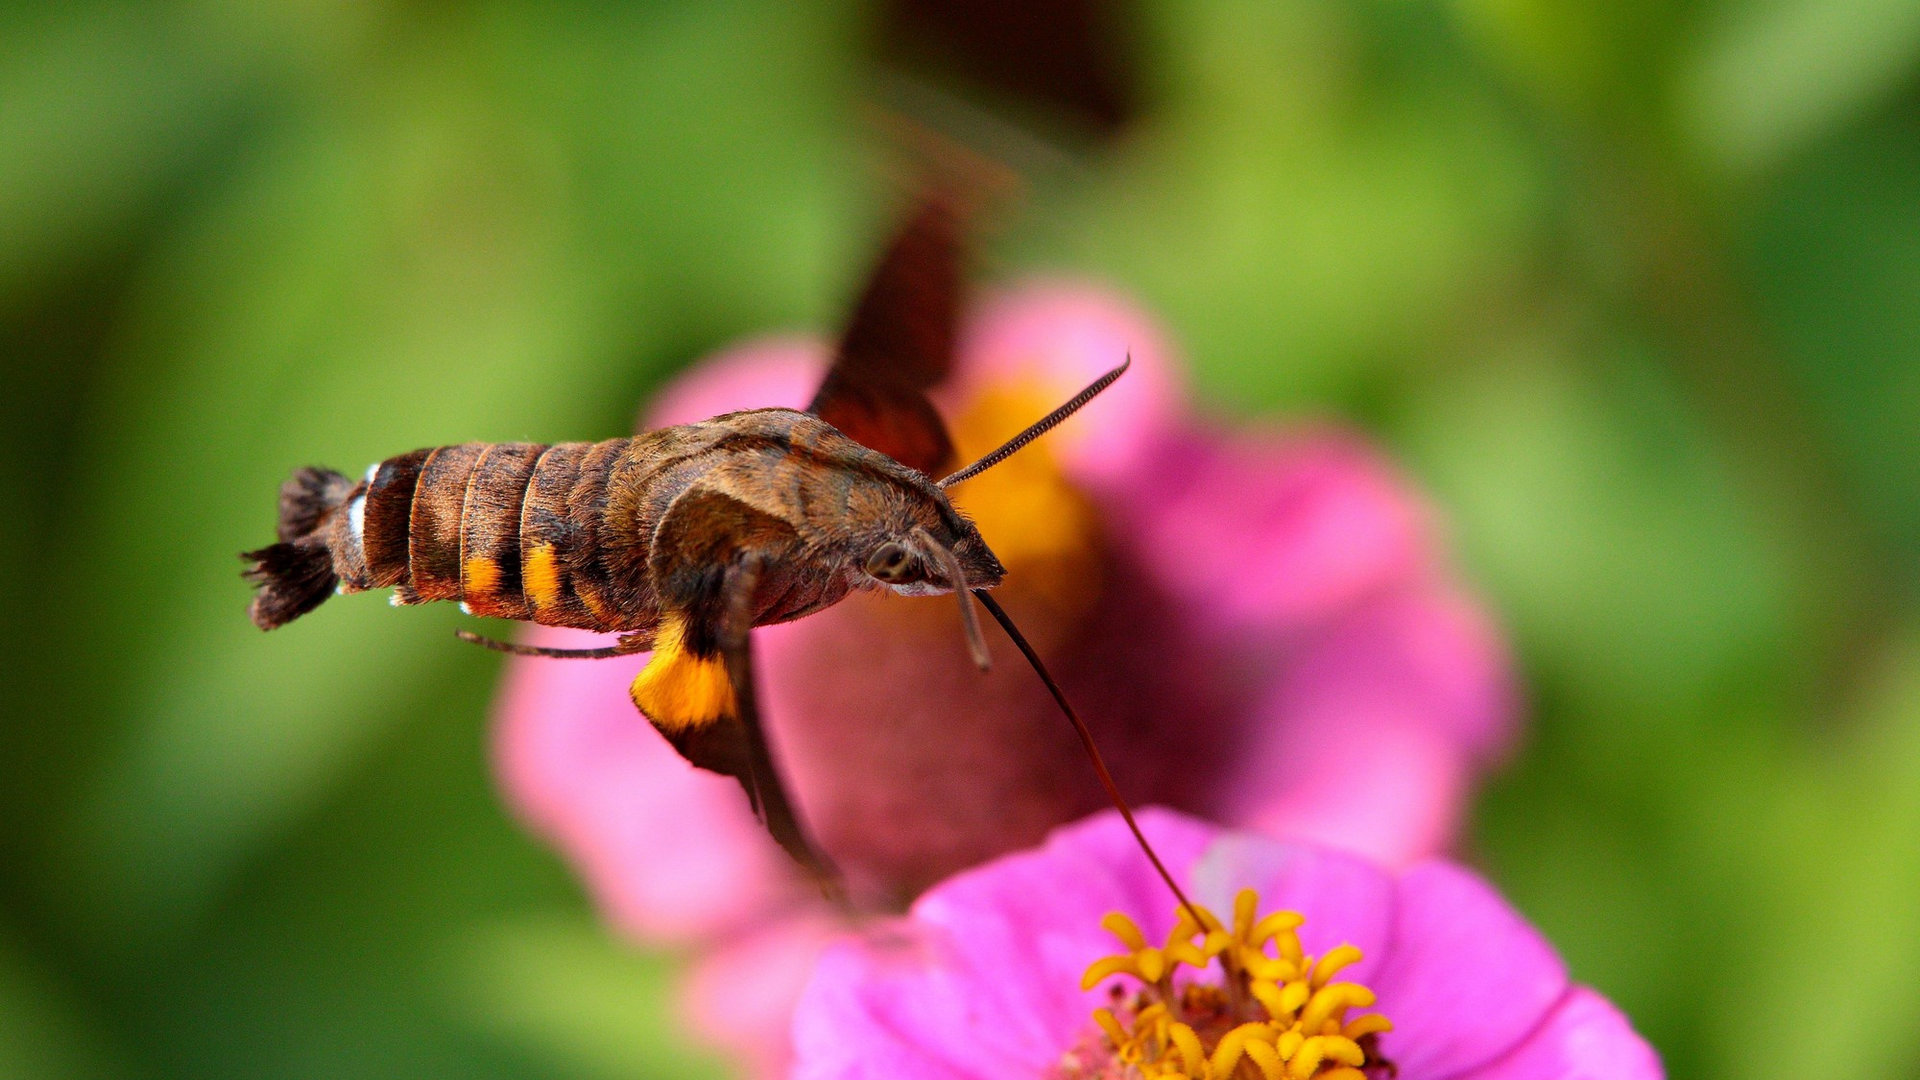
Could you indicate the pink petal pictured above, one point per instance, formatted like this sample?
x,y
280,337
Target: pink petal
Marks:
x,y
1345,899
1039,911
761,373
1393,793
981,980
1372,727
1272,532
1061,337
1585,1038
842,1028
668,852
1467,979
984,979
739,997
1440,647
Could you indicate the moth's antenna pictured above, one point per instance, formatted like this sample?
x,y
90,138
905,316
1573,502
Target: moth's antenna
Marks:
x,y
1086,736
1040,427
957,575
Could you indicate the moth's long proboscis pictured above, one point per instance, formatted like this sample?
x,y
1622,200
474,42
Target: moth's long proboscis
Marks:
x,y
1086,741
1039,427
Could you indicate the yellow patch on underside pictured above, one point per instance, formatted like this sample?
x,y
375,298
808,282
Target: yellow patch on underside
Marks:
x,y
479,577
677,690
541,577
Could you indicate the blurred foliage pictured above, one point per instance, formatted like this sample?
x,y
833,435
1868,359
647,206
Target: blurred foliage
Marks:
x,y
1632,287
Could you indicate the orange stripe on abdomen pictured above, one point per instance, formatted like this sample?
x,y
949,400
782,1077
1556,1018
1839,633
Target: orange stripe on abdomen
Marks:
x,y
490,568
548,535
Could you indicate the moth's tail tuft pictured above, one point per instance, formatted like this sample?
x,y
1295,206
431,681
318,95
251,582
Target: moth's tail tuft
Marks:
x,y
291,579
296,575
306,499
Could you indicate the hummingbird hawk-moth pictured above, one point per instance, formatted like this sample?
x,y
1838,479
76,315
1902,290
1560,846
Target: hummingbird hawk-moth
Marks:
x,y
683,539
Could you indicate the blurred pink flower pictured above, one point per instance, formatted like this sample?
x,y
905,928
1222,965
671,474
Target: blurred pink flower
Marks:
x,y
1256,622
983,977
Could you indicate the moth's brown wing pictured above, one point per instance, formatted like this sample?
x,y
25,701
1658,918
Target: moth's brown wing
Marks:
x,y
698,690
765,790
764,787
734,744
899,343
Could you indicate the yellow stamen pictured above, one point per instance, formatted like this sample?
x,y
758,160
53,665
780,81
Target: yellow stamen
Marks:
x,y
1267,1059
1343,1050
1246,907
1335,998
1107,967
1283,1001
1278,1011
1261,966
1306,1060
1330,964
1233,1044
1154,964
1370,1024
1125,929
1188,1044
1280,922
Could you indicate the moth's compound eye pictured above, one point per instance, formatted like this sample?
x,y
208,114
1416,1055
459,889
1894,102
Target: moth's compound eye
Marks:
x,y
890,562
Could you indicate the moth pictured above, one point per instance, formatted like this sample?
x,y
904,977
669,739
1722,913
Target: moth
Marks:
x,y
684,539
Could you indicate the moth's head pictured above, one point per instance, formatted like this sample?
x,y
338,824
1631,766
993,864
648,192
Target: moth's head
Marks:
x,y
936,553
935,550
931,548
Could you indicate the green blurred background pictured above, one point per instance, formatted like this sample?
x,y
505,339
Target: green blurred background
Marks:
x,y
1632,287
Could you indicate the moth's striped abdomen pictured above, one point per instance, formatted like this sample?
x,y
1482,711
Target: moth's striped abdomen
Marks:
x,y
547,535
508,529
434,524
490,560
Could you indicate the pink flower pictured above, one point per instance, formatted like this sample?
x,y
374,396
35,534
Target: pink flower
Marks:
x,y
1426,968
1256,622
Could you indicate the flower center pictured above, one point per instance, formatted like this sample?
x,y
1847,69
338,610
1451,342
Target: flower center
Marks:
x,y
1038,523
1274,1013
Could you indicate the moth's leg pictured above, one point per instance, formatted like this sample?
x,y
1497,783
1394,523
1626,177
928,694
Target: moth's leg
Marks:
x,y
604,653
763,780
